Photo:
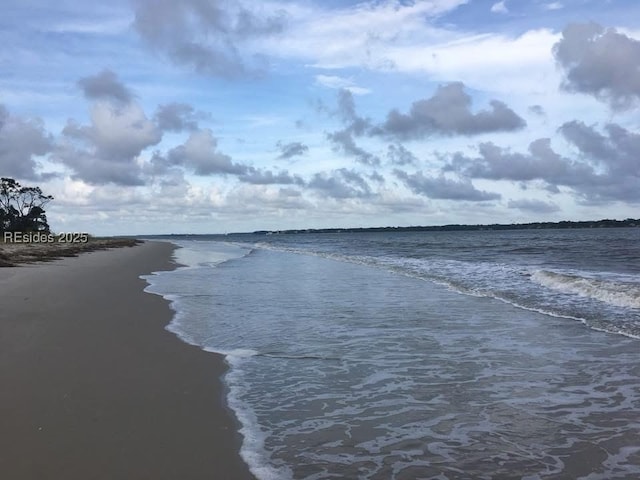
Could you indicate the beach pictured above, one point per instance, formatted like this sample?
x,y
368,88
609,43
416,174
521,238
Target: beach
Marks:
x,y
94,387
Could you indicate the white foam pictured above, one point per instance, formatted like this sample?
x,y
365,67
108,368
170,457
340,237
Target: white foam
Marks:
x,y
233,355
614,293
194,253
252,450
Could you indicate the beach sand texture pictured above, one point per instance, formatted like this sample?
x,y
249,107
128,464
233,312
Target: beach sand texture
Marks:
x,y
93,386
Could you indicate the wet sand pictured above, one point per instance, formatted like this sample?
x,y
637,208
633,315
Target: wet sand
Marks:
x,y
94,387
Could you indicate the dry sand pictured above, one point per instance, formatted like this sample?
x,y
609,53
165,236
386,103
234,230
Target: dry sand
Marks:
x,y
93,387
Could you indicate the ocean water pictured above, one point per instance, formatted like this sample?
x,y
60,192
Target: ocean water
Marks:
x,y
435,355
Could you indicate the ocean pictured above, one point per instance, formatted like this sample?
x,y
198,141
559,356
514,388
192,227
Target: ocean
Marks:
x,y
422,355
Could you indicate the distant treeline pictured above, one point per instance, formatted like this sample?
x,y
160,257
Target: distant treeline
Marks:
x,y
605,223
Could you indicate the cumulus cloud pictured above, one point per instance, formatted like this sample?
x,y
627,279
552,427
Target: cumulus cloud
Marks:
x,y
497,163
106,150
618,150
20,141
341,183
347,112
177,117
343,140
399,155
200,154
615,153
290,150
95,170
533,205
205,34
448,112
600,62
267,177
105,86
444,188
605,168
258,200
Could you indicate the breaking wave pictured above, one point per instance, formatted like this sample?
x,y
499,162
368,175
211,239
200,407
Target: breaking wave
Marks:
x,y
620,294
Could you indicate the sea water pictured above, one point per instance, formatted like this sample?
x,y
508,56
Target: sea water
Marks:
x,y
431,355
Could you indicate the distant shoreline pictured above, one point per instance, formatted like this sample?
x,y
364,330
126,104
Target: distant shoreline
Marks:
x,y
565,224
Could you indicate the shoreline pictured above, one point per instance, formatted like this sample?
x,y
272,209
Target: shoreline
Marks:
x,y
94,386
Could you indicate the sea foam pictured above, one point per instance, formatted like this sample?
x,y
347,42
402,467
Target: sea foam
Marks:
x,y
616,293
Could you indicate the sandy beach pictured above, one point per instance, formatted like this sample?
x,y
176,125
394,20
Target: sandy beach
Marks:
x,y
94,387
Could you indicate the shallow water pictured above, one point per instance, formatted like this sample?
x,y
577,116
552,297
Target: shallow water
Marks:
x,y
396,356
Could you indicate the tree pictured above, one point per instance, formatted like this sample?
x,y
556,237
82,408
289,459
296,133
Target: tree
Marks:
x,y
22,208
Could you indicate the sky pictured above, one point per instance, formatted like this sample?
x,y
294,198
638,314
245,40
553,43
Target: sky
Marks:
x,y
212,116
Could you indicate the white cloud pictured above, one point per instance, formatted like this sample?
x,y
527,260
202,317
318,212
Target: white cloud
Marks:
x,y
355,36
490,62
389,38
113,26
336,82
499,7
553,6
74,193
122,131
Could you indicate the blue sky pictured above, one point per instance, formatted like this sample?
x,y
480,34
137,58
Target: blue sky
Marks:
x,y
209,116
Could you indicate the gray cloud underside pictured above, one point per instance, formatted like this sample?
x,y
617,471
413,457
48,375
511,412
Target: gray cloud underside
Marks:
x,y
203,34
343,142
496,163
106,150
341,183
532,205
600,62
177,117
21,140
105,86
537,110
200,154
607,168
290,150
267,177
95,170
444,188
618,150
448,112
376,177
399,155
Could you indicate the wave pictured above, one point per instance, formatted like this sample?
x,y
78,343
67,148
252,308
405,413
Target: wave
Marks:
x,y
517,285
619,294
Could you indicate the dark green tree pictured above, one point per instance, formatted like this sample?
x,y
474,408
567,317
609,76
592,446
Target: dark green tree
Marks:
x,y
22,208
